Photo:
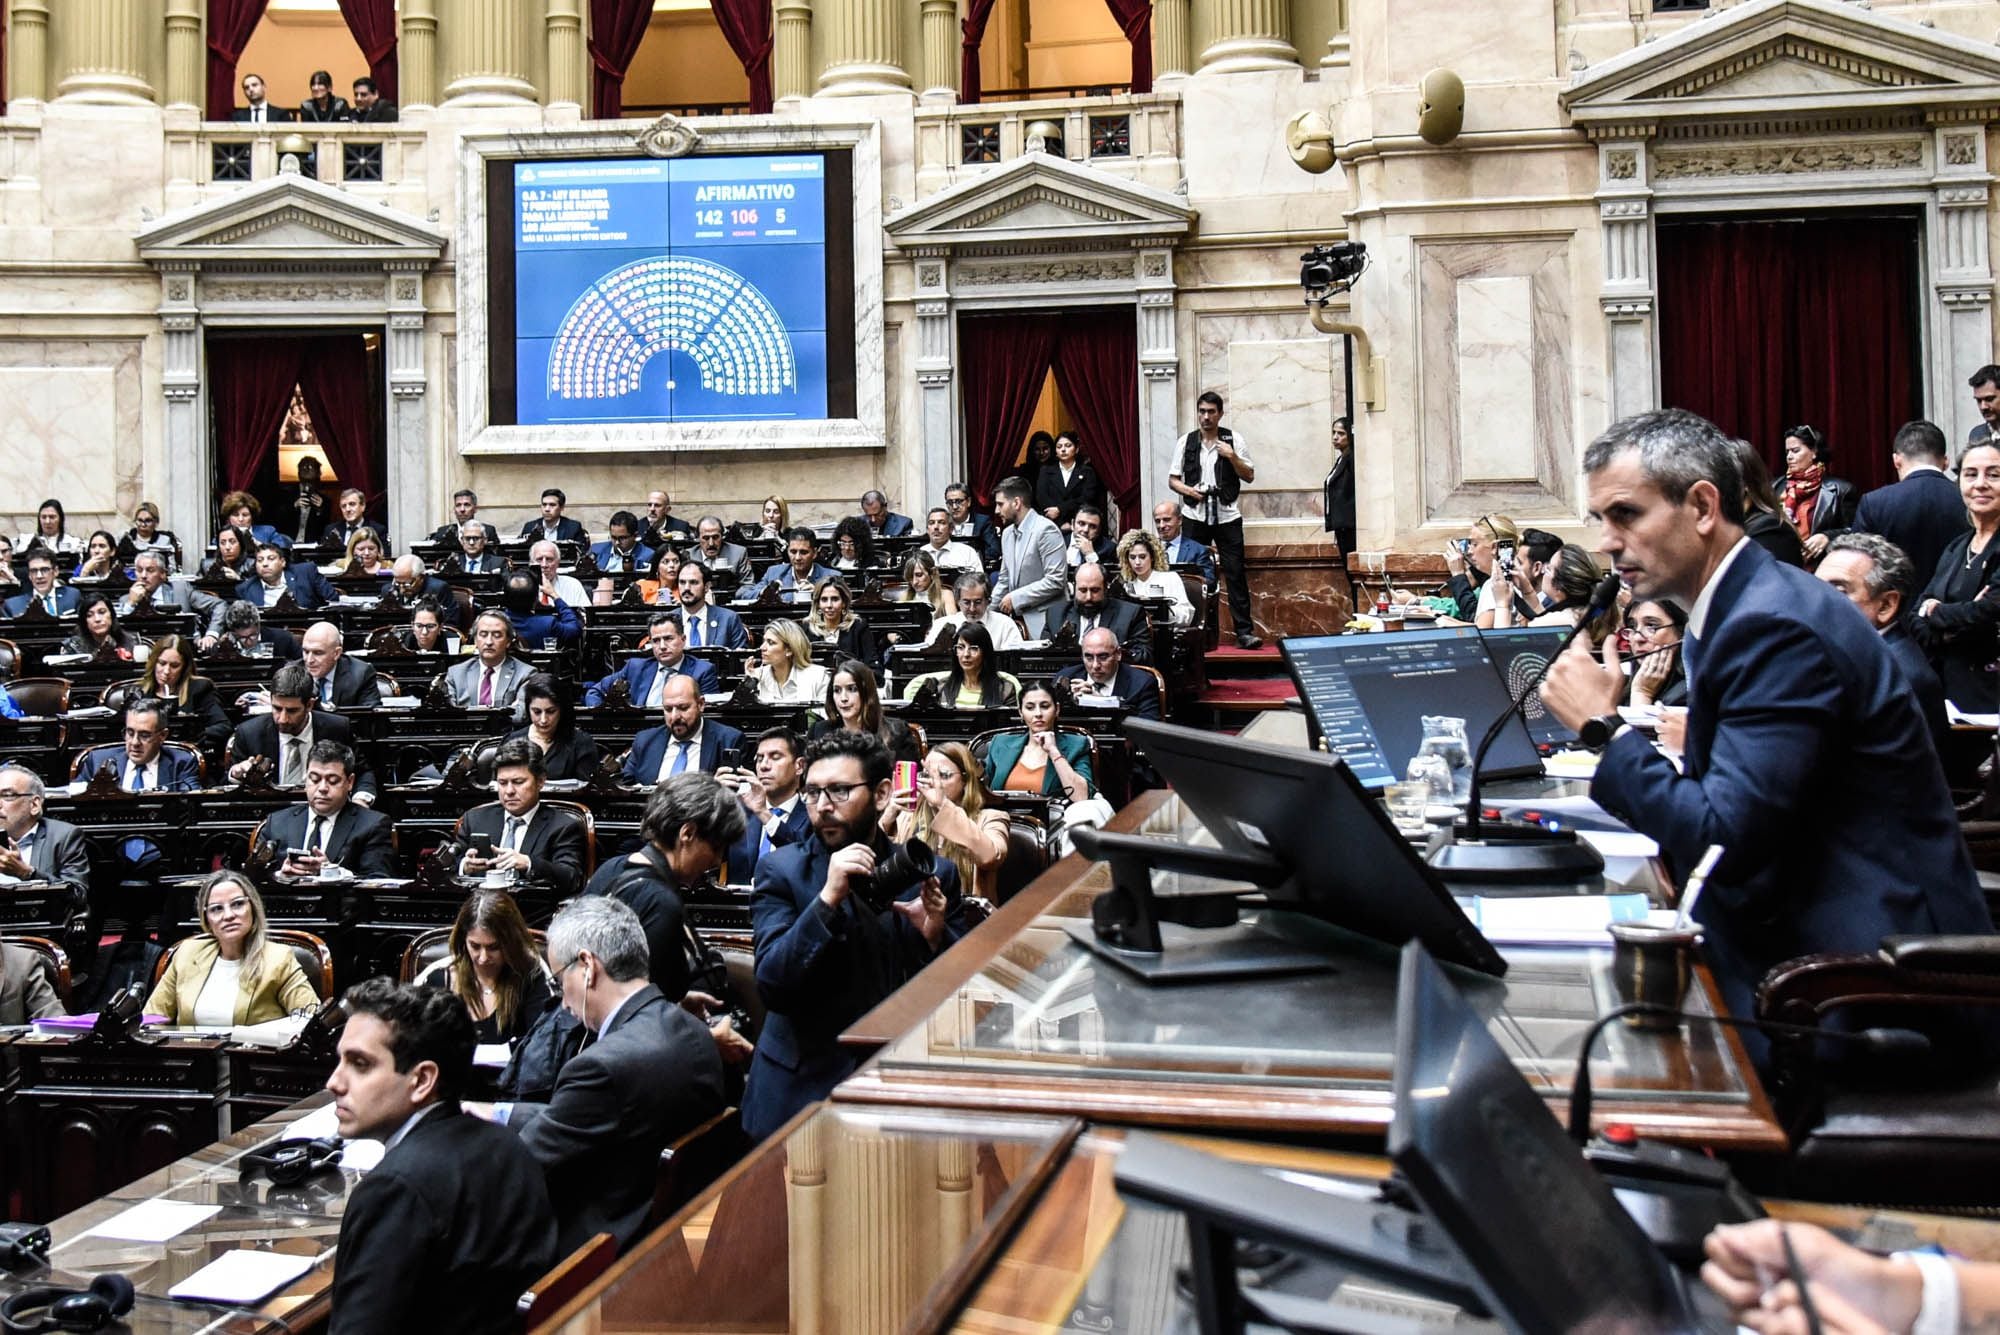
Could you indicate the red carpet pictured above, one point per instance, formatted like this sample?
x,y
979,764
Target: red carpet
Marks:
x,y
1250,693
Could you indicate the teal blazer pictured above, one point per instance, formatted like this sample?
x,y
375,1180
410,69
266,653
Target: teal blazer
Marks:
x,y
1004,752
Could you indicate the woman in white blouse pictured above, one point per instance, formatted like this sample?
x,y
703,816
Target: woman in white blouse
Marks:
x,y
786,675
51,531
1142,566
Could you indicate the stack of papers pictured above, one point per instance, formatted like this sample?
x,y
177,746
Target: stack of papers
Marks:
x,y
1552,920
242,1278
276,1033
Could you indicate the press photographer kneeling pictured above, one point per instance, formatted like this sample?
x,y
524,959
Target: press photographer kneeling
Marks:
x,y
842,920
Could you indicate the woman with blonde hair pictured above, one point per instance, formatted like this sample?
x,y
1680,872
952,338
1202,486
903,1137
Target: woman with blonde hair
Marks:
x,y
170,678
948,811
494,968
1474,560
783,666
230,974
1142,567
364,555
775,519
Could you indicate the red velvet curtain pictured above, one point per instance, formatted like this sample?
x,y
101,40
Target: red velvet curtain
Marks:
x,y
972,29
334,377
1097,370
250,388
1766,324
373,23
230,23
1135,17
1005,360
746,26
616,29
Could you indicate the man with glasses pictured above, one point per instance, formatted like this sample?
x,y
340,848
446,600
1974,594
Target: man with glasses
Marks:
x,y
976,530
683,742
475,555
327,829
1103,681
153,592
36,849
975,604
43,591
143,764
661,523
286,735
826,954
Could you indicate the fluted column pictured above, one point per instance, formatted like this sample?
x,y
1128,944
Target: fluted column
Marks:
x,y
1170,39
568,65
416,54
187,69
791,51
937,75
103,46
28,50
864,49
1249,35
1338,48
485,45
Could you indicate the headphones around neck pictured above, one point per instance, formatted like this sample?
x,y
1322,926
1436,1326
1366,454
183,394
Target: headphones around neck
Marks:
x,y
290,1162
108,1298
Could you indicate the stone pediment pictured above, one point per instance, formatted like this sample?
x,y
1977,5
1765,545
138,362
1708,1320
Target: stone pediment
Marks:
x,y
289,219
1790,60
1038,198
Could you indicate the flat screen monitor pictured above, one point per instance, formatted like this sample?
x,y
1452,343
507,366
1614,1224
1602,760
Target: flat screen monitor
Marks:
x,y
1367,696
1348,864
1518,654
1548,1242
709,288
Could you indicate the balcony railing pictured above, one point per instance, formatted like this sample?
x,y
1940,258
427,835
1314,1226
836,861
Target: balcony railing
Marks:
x,y
220,155
1132,135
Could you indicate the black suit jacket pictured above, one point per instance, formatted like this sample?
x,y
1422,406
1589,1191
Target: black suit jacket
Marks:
x,y
258,736
1138,693
446,535
648,888
445,1233
1924,682
1084,488
1921,514
554,842
1128,621
359,842
567,530
273,115
355,685
573,757
652,1076
382,113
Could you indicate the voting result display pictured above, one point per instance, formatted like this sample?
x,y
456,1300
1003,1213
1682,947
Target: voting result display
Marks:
x,y
667,290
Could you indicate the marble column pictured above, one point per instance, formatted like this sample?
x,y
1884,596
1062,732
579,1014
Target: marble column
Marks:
x,y
1625,213
486,52
416,54
938,74
1170,40
187,63
864,49
791,51
569,63
103,51
937,410
409,448
28,51
1959,268
1339,49
185,421
1248,35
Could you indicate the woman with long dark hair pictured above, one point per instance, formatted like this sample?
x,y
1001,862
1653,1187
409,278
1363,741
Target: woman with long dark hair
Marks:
x,y
975,680
494,968
854,703
568,753
1764,519
97,628
170,678
1819,505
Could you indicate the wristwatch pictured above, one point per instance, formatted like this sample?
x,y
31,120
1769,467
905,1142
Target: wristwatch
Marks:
x,y
1597,733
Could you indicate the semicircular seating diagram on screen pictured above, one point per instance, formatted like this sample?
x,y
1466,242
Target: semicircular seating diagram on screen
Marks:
x,y
711,313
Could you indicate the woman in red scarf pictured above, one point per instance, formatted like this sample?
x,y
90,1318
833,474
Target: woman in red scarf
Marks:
x,y
1820,507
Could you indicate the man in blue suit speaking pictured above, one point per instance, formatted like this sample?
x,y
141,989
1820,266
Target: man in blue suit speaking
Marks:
x,y
1806,758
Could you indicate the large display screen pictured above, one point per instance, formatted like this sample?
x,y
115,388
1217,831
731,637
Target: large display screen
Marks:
x,y
697,289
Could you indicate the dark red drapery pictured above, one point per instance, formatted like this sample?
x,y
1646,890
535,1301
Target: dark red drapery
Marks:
x,y
972,31
1765,324
1006,358
616,29
1097,370
334,378
1135,18
230,23
250,387
373,23
746,26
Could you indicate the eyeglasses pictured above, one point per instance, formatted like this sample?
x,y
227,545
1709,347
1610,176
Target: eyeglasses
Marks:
x,y
574,960
835,793
16,796
224,909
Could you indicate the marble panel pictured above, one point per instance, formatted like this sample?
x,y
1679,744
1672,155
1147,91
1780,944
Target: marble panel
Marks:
x,y
1281,397
1496,382
1296,588
55,433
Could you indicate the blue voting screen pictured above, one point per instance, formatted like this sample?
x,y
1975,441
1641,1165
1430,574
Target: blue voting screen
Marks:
x,y
677,290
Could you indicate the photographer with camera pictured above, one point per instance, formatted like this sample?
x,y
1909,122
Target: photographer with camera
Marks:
x,y
1209,478
842,920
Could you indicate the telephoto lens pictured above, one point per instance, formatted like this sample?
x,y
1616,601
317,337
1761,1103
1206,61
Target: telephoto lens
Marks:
x,y
903,865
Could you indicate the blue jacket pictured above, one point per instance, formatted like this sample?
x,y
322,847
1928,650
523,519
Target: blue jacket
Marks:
x,y
720,626
649,748
562,622
1808,760
819,970
1921,514
1184,551
782,575
66,600
1004,752
178,772
895,525
641,558
310,589
639,674
740,868
1138,692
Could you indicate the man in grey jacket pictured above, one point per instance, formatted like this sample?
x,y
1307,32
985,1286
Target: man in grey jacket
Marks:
x,y
1033,580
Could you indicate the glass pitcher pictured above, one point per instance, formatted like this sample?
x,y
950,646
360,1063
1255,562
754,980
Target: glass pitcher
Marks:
x,y
1444,737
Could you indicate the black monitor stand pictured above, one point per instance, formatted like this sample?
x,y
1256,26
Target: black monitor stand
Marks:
x,y
1183,938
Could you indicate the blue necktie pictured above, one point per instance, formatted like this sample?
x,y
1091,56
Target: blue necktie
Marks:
x,y
694,631
139,778
50,603
680,759
764,844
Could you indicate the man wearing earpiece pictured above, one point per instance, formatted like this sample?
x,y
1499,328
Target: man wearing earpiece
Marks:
x,y
455,1222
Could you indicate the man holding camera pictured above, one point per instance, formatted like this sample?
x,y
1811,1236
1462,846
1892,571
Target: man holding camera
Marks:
x,y
1209,478
842,920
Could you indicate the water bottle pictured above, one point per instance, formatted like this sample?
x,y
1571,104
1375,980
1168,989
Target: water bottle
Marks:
x,y
1444,737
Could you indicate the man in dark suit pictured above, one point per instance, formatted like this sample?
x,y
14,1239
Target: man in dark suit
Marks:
x,y
1921,512
769,793
537,842
306,504
56,600
1985,385
825,954
327,827
882,521
339,682
684,742
706,625
553,525
286,735
454,1223
1093,607
622,552
797,574
478,551
651,1075
690,820
1872,573
143,764
1805,759
1103,681
35,848
353,519
154,591
646,677
659,521
1182,550
242,623
1087,543
276,576
259,112
975,530
464,510
368,106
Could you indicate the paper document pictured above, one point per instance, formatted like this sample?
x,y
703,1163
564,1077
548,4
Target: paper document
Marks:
x,y
1620,843
1956,716
1553,920
495,1055
316,1125
271,1033
241,1278
1571,765
154,1221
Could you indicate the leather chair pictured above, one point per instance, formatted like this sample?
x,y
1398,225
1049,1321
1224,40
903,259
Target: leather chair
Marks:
x,y
10,659
1917,1131
54,963
188,749
309,950
570,1276
1027,856
577,809
689,1164
43,697
980,744
741,963
434,944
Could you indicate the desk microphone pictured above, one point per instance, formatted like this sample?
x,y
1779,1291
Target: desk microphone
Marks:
x,y
1521,850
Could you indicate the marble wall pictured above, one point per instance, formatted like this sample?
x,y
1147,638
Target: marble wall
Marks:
x,y
72,429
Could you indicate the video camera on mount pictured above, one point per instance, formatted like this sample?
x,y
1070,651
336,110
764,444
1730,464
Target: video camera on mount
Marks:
x,y
1326,270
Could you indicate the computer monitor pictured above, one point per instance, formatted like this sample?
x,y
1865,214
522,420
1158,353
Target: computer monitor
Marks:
x,y
1518,654
1349,865
1549,1244
1367,696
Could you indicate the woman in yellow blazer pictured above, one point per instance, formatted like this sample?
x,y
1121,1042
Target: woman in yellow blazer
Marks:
x,y
232,974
